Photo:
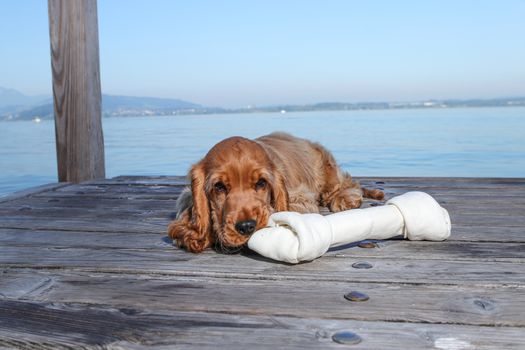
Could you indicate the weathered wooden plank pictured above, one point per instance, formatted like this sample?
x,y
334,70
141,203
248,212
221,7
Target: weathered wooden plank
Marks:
x,y
484,193
443,182
23,194
504,209
397,249
483,209
501,306
83,239
142,220
332,267
73,32
160,188
156,240
473,220
485,203
161,209
472,195
140,225
144,241
141,180
119,192
124,188
375,181
90,202
37,325
93,209
475,227
36,212
475,194
29,212
157,207
96,196
456,251
487,234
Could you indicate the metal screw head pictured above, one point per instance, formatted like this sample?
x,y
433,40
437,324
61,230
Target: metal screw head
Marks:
x,y
362,265
356,296
346,337
367,244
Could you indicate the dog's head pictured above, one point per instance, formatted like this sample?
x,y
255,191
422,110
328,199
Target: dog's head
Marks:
x,y
235,188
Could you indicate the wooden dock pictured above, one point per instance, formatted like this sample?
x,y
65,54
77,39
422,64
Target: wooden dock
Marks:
x,y
90,266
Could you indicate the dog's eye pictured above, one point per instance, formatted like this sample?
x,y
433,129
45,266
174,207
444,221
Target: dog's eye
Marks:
x,y
261,184
220,187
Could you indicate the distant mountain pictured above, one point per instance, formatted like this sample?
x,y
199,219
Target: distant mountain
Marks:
x,y
114,102
11,98
111,106
344,106
43,112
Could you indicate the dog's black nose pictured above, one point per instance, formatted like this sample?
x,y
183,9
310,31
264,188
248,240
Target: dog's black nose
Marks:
x,y
246,227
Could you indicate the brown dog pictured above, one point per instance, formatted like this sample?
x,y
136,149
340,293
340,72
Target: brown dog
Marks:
x,y
241,182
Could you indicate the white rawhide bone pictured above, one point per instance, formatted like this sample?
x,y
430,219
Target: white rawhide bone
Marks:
x,y
294,237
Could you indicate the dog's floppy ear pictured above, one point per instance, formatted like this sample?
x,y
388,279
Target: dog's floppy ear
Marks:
x,y
200,213
192,228
279,193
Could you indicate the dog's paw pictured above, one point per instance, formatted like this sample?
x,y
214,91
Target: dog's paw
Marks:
x,y
345,200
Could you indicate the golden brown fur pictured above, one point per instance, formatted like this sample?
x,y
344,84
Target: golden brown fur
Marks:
x,y
243,181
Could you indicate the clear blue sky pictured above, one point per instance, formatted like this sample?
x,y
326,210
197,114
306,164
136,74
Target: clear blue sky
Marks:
x,y
236,53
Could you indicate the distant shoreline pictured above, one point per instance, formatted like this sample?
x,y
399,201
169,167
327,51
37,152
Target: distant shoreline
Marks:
x,y
46,111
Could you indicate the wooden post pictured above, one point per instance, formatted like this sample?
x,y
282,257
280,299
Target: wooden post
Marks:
x,y
73,32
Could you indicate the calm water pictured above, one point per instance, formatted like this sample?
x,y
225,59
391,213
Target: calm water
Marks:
x,y
484,142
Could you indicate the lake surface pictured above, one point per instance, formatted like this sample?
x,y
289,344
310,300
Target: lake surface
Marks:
x,y
469,142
